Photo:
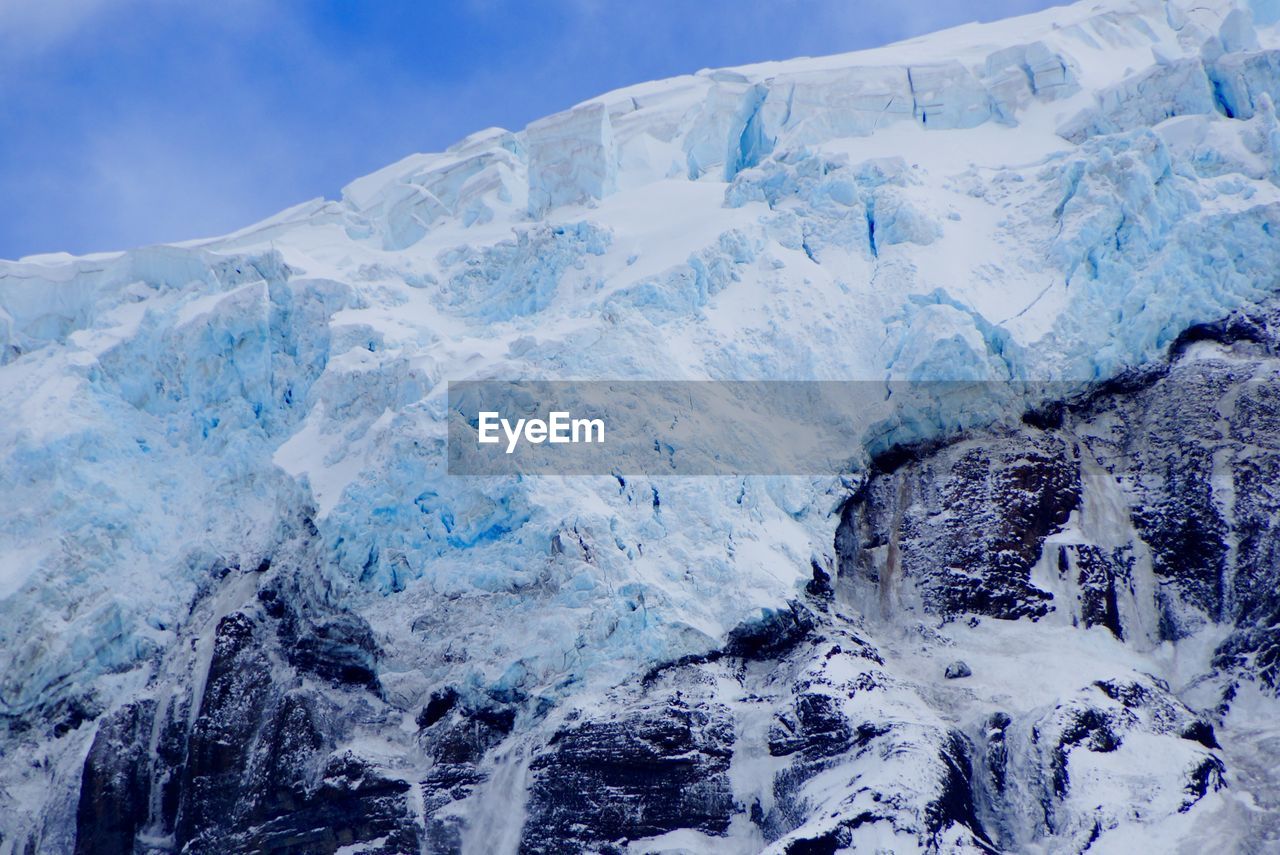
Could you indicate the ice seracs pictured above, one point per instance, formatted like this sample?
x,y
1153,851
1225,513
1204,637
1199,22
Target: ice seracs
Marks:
x,y
223,465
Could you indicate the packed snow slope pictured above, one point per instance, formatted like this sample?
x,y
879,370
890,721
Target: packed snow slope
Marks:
x,y
211,444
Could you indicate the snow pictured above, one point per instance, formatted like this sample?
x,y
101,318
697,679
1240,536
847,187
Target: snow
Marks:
x,y
1050,197
16,567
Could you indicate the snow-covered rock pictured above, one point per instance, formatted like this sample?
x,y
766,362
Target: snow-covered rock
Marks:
x,y
244,606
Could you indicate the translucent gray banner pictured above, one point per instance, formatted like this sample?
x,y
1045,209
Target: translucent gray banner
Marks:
x,y
712,427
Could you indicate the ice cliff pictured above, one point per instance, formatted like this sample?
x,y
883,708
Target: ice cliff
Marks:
x,y
244,608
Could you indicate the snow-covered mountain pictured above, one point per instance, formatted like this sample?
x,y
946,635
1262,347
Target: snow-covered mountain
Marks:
x,y
244,608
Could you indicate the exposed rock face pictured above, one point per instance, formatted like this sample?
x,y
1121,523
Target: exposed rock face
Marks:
x,y
982,505
679,753
256,766
245,607
458,735
836,726
642,774
116,788
1144,508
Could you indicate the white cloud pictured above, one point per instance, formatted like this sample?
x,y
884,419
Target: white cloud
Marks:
x,y
30,26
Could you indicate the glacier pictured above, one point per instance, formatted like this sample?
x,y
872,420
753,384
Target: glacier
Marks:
x,y
228,513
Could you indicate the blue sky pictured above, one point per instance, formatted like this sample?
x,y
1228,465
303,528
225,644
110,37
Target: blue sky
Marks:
x,y
127,122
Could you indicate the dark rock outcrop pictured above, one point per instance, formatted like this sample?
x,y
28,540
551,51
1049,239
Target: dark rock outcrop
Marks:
x,y
115,790
643,773
1189,453
257,768
330,643
963,527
